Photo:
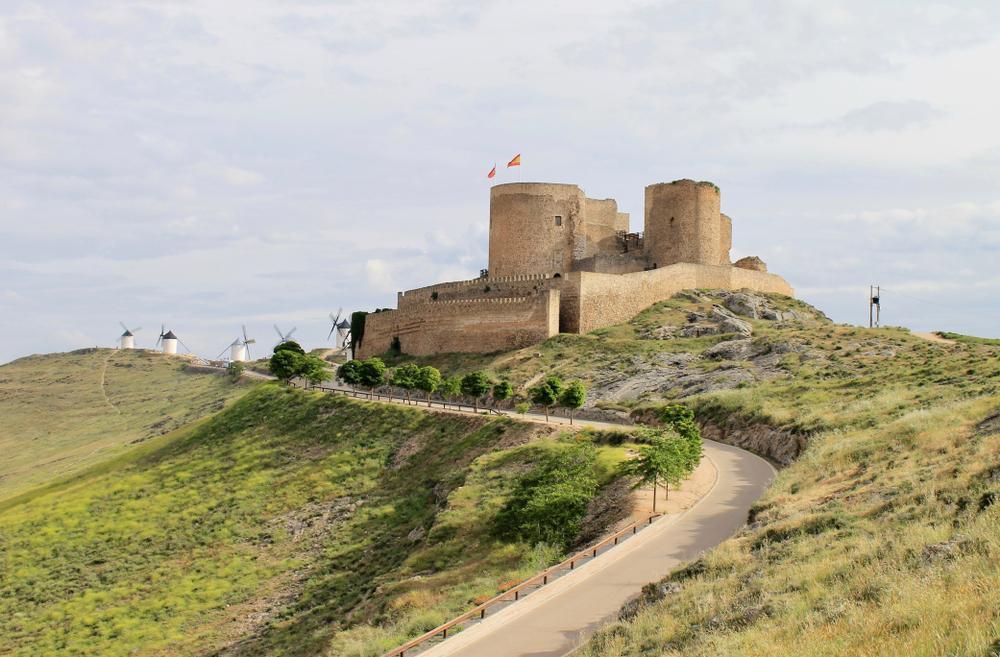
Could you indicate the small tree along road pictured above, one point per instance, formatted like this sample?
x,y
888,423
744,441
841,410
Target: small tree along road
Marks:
x,y
475,385
546,393
666,458
405,377
428,381
290,360
573,397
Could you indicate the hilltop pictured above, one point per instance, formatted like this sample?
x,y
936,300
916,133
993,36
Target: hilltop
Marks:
x,y
64,412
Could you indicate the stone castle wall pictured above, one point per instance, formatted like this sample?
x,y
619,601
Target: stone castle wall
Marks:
x,y
471,326
499,287
725,239
606,300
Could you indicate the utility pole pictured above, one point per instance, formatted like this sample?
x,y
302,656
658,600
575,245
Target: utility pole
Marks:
x,y
874,305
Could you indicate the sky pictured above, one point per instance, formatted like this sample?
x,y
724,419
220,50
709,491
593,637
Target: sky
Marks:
x,y
211,163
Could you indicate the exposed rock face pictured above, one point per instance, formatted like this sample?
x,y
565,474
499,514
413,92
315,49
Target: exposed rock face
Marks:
x,y
779,445
729,350
782,446
751,262
744,304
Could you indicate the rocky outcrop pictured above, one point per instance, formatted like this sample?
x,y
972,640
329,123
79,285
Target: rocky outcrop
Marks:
x,y
779,445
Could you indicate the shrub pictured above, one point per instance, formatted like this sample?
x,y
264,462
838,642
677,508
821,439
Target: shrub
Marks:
x,y
235,370
550,501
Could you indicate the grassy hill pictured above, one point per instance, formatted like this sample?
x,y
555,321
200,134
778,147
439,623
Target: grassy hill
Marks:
x,y
64,412
880,538
291,523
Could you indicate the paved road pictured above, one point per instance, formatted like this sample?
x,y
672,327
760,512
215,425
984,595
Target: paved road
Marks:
x,y
557,618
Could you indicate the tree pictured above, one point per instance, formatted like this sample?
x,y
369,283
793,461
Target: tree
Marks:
x,y
680,418
313,369
405,377
573,397
289,361
451,387
475,385
664,459
546,393
428,380
349,372
502,391
290,345
284,364
371,373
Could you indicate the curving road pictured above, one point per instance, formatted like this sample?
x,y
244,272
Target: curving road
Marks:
x,y
556,619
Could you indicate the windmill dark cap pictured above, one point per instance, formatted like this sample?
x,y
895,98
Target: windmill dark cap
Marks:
x,y
127,334
344,324
169,335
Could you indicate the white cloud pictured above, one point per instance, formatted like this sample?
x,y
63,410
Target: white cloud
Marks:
x,y
164,161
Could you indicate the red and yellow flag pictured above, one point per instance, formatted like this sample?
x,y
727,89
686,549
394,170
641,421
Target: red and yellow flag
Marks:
x,y
493,172
516,162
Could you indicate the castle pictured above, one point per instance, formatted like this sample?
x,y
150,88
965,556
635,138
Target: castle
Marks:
x,y
560,262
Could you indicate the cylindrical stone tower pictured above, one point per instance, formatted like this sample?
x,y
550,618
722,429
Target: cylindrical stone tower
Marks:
x,y
683,223
531,228
128,340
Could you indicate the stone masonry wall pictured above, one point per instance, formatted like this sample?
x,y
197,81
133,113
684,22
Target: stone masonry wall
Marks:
x,y
607,299
499,287
682,223
471,326
725,239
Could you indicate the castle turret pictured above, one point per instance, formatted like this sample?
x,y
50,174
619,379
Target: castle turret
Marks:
x,y
683,223
531,227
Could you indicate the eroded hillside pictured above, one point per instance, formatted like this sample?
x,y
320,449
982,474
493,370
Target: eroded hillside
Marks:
x,y
63,412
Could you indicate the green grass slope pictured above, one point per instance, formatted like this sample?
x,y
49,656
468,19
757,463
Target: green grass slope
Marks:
x,y
63,412
291,523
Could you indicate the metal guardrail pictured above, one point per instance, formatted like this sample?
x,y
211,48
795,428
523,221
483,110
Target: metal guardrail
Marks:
x,y
537,580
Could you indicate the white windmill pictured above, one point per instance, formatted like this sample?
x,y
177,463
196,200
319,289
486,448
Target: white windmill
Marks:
x,y
127,340
167,340
342,328
239,350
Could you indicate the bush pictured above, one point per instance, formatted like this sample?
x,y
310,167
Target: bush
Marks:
x,y
235,370
550,501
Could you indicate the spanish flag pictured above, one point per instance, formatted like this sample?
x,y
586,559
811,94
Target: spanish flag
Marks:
x,y
516,162
493,172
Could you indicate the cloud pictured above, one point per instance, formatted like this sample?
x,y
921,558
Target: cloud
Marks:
x,y
161,161
889,115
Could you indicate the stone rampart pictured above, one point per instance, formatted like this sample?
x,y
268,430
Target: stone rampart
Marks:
x,y
499,286
480,325
608,299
